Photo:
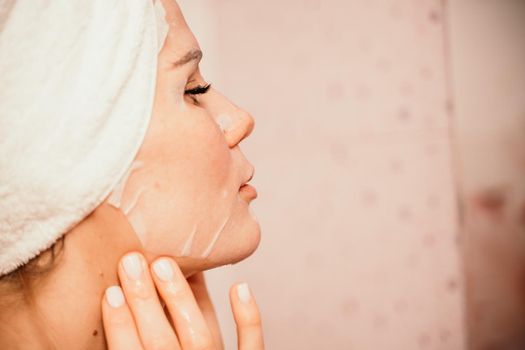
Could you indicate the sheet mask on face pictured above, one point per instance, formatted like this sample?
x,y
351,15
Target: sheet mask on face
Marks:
x,y
127,202
186,250
115,198
216,235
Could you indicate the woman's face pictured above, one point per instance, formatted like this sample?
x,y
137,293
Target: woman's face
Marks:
x,y
184,196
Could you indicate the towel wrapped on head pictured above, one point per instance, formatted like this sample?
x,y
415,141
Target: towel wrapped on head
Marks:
x,y
77,82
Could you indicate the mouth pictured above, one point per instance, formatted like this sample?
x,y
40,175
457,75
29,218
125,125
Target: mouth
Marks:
x,y
246,190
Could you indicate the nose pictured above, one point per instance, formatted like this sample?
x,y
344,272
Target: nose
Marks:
x,y
242,127
236,123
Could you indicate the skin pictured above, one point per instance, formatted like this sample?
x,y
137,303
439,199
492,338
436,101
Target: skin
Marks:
x,y
183,140
139,321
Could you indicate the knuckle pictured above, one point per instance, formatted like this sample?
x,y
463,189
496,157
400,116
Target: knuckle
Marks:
x,y
119,322
179,293
140,292
251,320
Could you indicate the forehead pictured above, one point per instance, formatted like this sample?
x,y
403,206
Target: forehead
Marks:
x,y
180,39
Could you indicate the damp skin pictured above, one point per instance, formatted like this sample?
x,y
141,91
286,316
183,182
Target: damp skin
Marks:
x,y
137,221
128,204
186,250
115,198
184,200
131,205
210,246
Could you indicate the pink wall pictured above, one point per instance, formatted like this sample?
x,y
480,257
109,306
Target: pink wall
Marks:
x,y
488,51
360,154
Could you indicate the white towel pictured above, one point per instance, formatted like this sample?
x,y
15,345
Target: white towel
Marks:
x,y
77,81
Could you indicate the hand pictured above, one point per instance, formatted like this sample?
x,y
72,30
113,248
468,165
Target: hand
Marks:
x,y
135,319
197,284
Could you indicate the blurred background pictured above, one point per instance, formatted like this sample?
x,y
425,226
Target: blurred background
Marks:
x,y
390,164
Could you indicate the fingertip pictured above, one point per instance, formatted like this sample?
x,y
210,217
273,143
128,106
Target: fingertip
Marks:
x,y
119,328
114,297
243,304
247,317
130,254
165,269
114,307
243,292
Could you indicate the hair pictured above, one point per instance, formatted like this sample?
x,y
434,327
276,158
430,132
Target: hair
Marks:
x,y
18,287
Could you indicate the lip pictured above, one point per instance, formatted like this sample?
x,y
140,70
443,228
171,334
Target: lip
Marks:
x,y
250,178
248,192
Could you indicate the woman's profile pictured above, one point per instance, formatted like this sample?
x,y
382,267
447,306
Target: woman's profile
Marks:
x,y
120,176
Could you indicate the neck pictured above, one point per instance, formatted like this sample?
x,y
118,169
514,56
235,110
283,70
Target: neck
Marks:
x,y
66,308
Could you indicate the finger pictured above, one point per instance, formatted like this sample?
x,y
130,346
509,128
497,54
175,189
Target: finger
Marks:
x,y
190,325
247,318
197,284
153,327
119,326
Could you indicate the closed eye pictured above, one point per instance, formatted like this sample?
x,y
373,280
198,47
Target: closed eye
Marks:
x,y
199,90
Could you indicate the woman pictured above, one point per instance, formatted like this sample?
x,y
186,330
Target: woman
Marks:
x,y
178,206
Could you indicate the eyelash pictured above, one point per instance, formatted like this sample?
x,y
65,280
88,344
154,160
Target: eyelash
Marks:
x,y
199,90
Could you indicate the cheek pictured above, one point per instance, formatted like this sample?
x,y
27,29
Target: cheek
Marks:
x,y
182,189
181,146
204,169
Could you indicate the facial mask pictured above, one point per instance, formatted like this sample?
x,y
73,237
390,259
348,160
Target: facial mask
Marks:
x,y
210,246
191,239
186,250
115,198
127,203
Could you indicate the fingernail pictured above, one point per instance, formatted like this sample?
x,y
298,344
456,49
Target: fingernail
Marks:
x,y
163,270
133,266
243,292
114,296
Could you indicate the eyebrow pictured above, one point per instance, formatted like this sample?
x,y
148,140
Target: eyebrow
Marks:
x,y
193,55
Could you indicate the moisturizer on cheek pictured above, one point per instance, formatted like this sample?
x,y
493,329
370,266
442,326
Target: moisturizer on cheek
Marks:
x,y
133,202
186,250
115,198
214,239
137,222
126,199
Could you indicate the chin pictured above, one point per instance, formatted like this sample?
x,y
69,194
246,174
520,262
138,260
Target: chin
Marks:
x,y
250,245
240,246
